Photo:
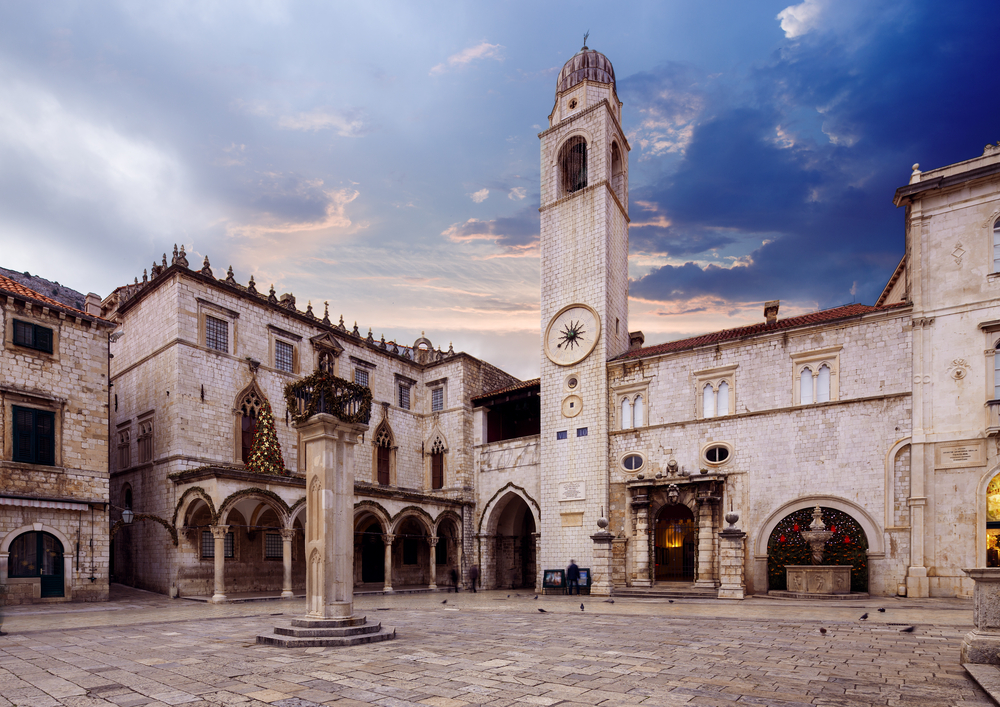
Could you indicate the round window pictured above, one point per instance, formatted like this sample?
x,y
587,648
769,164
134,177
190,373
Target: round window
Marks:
x,y
632,462
717,453
572,383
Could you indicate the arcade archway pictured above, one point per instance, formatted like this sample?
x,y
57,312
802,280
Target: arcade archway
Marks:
x,y
513,545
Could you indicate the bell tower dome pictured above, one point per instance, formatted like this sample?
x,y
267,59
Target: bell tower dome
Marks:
x,y
584,300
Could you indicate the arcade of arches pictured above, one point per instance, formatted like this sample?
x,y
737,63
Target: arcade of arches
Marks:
x,y
407,553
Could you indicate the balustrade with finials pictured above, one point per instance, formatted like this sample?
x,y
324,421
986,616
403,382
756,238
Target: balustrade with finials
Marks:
x,y
322,392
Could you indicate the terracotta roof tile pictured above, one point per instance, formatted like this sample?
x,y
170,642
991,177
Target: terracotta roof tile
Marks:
x,y
523,385
19,290
825,316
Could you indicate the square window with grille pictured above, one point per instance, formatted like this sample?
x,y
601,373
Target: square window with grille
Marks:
x,y
32,336
273,549
208,545
283,353
361,376
217,334
404,396
437,399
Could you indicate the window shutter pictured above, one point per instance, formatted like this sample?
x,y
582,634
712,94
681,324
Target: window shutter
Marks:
x,y
45,438
43,339
24,432
22,333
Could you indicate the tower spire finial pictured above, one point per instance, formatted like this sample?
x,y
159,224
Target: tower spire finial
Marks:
x,y
585,35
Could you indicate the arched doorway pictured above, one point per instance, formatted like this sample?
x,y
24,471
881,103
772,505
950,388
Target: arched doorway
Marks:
x,y
847,546
993,522
38,554
674,544
514,563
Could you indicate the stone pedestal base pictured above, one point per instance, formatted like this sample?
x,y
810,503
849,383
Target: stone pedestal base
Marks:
x,y
818,579
917,584
600,568
310,633
731,584
982,644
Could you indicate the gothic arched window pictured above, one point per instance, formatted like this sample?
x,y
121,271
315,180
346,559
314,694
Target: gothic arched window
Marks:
x,y
249,412
437,464
617,172
573,164
383,455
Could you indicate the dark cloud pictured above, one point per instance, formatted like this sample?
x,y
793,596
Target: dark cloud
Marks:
x,y
517,232
811,149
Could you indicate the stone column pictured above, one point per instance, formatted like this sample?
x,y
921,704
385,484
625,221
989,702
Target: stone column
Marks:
x,y
706,541
731,557
387,540
537,537
4,560
432,541
642,564
600,568
219,536
982,644
287,535
329,454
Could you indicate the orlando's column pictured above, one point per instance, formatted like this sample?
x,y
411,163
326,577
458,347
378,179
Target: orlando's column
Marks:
x,y
329,452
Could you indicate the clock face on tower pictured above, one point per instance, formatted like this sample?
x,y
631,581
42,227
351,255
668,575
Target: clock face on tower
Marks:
x,y
572,334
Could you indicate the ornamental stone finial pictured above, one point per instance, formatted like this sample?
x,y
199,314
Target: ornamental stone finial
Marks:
x,y
271,297
252,286
326,314
309,309
145,278
182,260
356,332
206,268
230,278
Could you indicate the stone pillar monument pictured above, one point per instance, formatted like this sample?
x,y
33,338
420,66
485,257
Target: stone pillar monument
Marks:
x,y
219,536
328,445
600,568
731,557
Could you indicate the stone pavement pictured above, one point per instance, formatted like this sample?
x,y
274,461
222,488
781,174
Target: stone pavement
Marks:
x,y
488,649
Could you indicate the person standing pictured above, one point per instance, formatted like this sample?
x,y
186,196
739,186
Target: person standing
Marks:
x,y
572,577
454,579
474,576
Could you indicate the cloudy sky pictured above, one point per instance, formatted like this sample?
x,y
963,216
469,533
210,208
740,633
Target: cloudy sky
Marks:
x,y
384,156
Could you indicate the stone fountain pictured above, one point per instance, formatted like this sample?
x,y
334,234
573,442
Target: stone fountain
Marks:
x,y
818,578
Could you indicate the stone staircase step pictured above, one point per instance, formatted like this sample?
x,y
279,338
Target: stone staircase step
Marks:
x,y
307,622
297,632
314,641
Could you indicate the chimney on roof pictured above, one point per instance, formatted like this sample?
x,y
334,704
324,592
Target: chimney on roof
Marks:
x,y
635,340
93,306
771,311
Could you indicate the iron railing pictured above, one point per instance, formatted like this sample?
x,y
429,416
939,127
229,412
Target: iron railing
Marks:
x,y
322,392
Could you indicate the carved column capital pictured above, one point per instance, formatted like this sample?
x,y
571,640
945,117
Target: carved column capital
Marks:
x,y
219,531
432,540
288,534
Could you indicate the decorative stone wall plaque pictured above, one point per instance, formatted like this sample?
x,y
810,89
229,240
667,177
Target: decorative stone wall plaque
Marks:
x,y
958,455
572,520
572,491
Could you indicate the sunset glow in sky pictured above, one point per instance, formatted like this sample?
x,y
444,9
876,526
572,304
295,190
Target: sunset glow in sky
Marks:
x,y
384,156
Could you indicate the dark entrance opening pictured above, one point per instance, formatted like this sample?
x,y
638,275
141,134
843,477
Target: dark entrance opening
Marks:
x,y
514,553
372,553
674,544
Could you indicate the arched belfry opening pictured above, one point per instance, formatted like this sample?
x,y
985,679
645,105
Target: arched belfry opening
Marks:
x,y
573,165
617,172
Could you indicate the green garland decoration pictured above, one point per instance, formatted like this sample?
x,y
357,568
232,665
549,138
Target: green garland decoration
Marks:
x,y
340,398
204,497
147,516
265,454
250,491
847,546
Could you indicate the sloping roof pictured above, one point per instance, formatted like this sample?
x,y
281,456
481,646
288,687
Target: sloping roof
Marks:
x,y
896,274
60,293
823,317
18,290
523,385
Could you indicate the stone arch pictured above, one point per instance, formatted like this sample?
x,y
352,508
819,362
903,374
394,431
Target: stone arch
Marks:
x,y
984,482
183,507
491,507
572,164
371,525
37,528
422,516
373,508
875,536
297,512
448,515
262,496
247,404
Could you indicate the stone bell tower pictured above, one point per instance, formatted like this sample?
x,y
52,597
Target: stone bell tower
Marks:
x,y
584,301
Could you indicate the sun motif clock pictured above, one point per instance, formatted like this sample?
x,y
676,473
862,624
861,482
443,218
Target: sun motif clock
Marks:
x,y
572,334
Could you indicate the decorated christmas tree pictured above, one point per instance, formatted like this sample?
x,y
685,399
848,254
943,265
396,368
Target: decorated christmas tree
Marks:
x,y
265,454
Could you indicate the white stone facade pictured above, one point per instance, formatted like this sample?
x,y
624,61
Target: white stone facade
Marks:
x,y
53,480
192,348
